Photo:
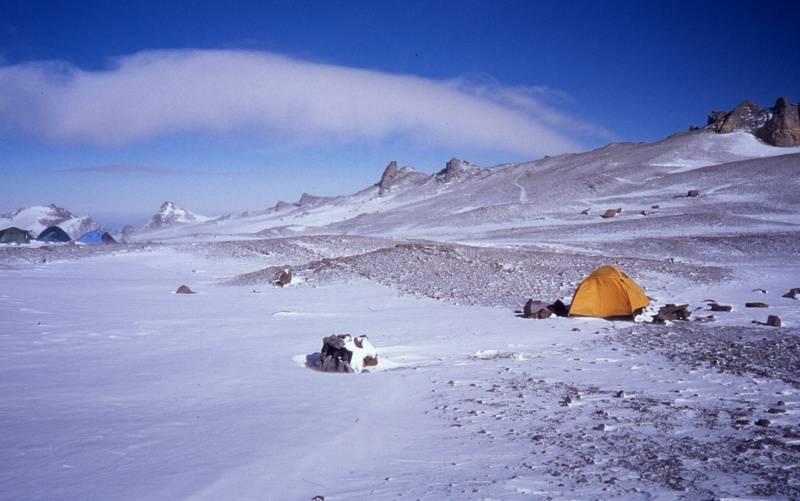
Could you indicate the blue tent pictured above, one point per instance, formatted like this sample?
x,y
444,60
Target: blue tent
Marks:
x,y
96,237
92,237
53,234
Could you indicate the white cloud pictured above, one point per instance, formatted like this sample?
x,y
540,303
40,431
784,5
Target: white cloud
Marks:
x,y
153,93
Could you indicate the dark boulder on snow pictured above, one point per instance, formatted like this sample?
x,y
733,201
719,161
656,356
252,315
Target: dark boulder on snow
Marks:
x,y
774,321
720,307
793,293
756,305
672,312
184,289
693,193
611,213
334,357
778,126
285,278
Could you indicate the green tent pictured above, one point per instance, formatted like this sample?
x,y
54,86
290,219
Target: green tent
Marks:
x,y
14,236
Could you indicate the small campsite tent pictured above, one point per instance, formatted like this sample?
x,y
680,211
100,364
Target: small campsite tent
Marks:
x,y
53,234
107,238
14,236
608,292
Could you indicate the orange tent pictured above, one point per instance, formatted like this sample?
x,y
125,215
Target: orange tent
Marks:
x,y
608,292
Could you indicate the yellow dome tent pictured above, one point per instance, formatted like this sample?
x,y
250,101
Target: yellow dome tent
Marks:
x,y
608,292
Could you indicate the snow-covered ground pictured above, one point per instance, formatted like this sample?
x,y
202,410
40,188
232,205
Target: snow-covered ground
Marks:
x,y
114,387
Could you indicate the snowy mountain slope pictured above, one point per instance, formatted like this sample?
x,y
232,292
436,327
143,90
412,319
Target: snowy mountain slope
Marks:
x,y
36,218
464,200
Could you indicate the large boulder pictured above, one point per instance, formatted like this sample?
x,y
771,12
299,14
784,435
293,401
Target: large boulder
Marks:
x,y
671,312
285,278
344,353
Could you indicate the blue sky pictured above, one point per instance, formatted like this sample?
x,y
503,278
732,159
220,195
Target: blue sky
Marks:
x,y
111,108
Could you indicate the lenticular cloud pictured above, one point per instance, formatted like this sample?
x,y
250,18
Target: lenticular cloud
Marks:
x,y
154,93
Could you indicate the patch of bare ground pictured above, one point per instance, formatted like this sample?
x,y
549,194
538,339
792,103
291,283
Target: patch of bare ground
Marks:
x,y
773,353
481,275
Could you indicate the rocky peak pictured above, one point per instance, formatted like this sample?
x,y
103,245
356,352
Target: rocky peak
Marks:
x,y
281,205
389,175
169,213
778,126
456,169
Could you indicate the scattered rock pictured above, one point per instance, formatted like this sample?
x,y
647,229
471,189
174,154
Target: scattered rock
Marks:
x,y
183,289
619,394
600,427
762,291
793,293
318,498
585,212
709,318
575,329
644,213
774,321
763,423
284,279
655,206
611,213
672,312
693,193
776,410
720,307
756,305
567,401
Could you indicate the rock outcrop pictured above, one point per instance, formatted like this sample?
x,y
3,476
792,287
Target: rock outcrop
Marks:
x,y
778,126
389,175
456,169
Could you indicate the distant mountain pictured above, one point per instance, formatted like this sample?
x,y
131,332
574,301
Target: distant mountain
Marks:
x,y
778,126
170,214
36,218
738,181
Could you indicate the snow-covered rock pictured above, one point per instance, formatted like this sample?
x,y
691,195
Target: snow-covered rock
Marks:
x,y
38,217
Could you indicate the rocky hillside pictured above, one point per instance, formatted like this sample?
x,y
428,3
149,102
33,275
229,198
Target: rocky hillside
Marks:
x,y
778,126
